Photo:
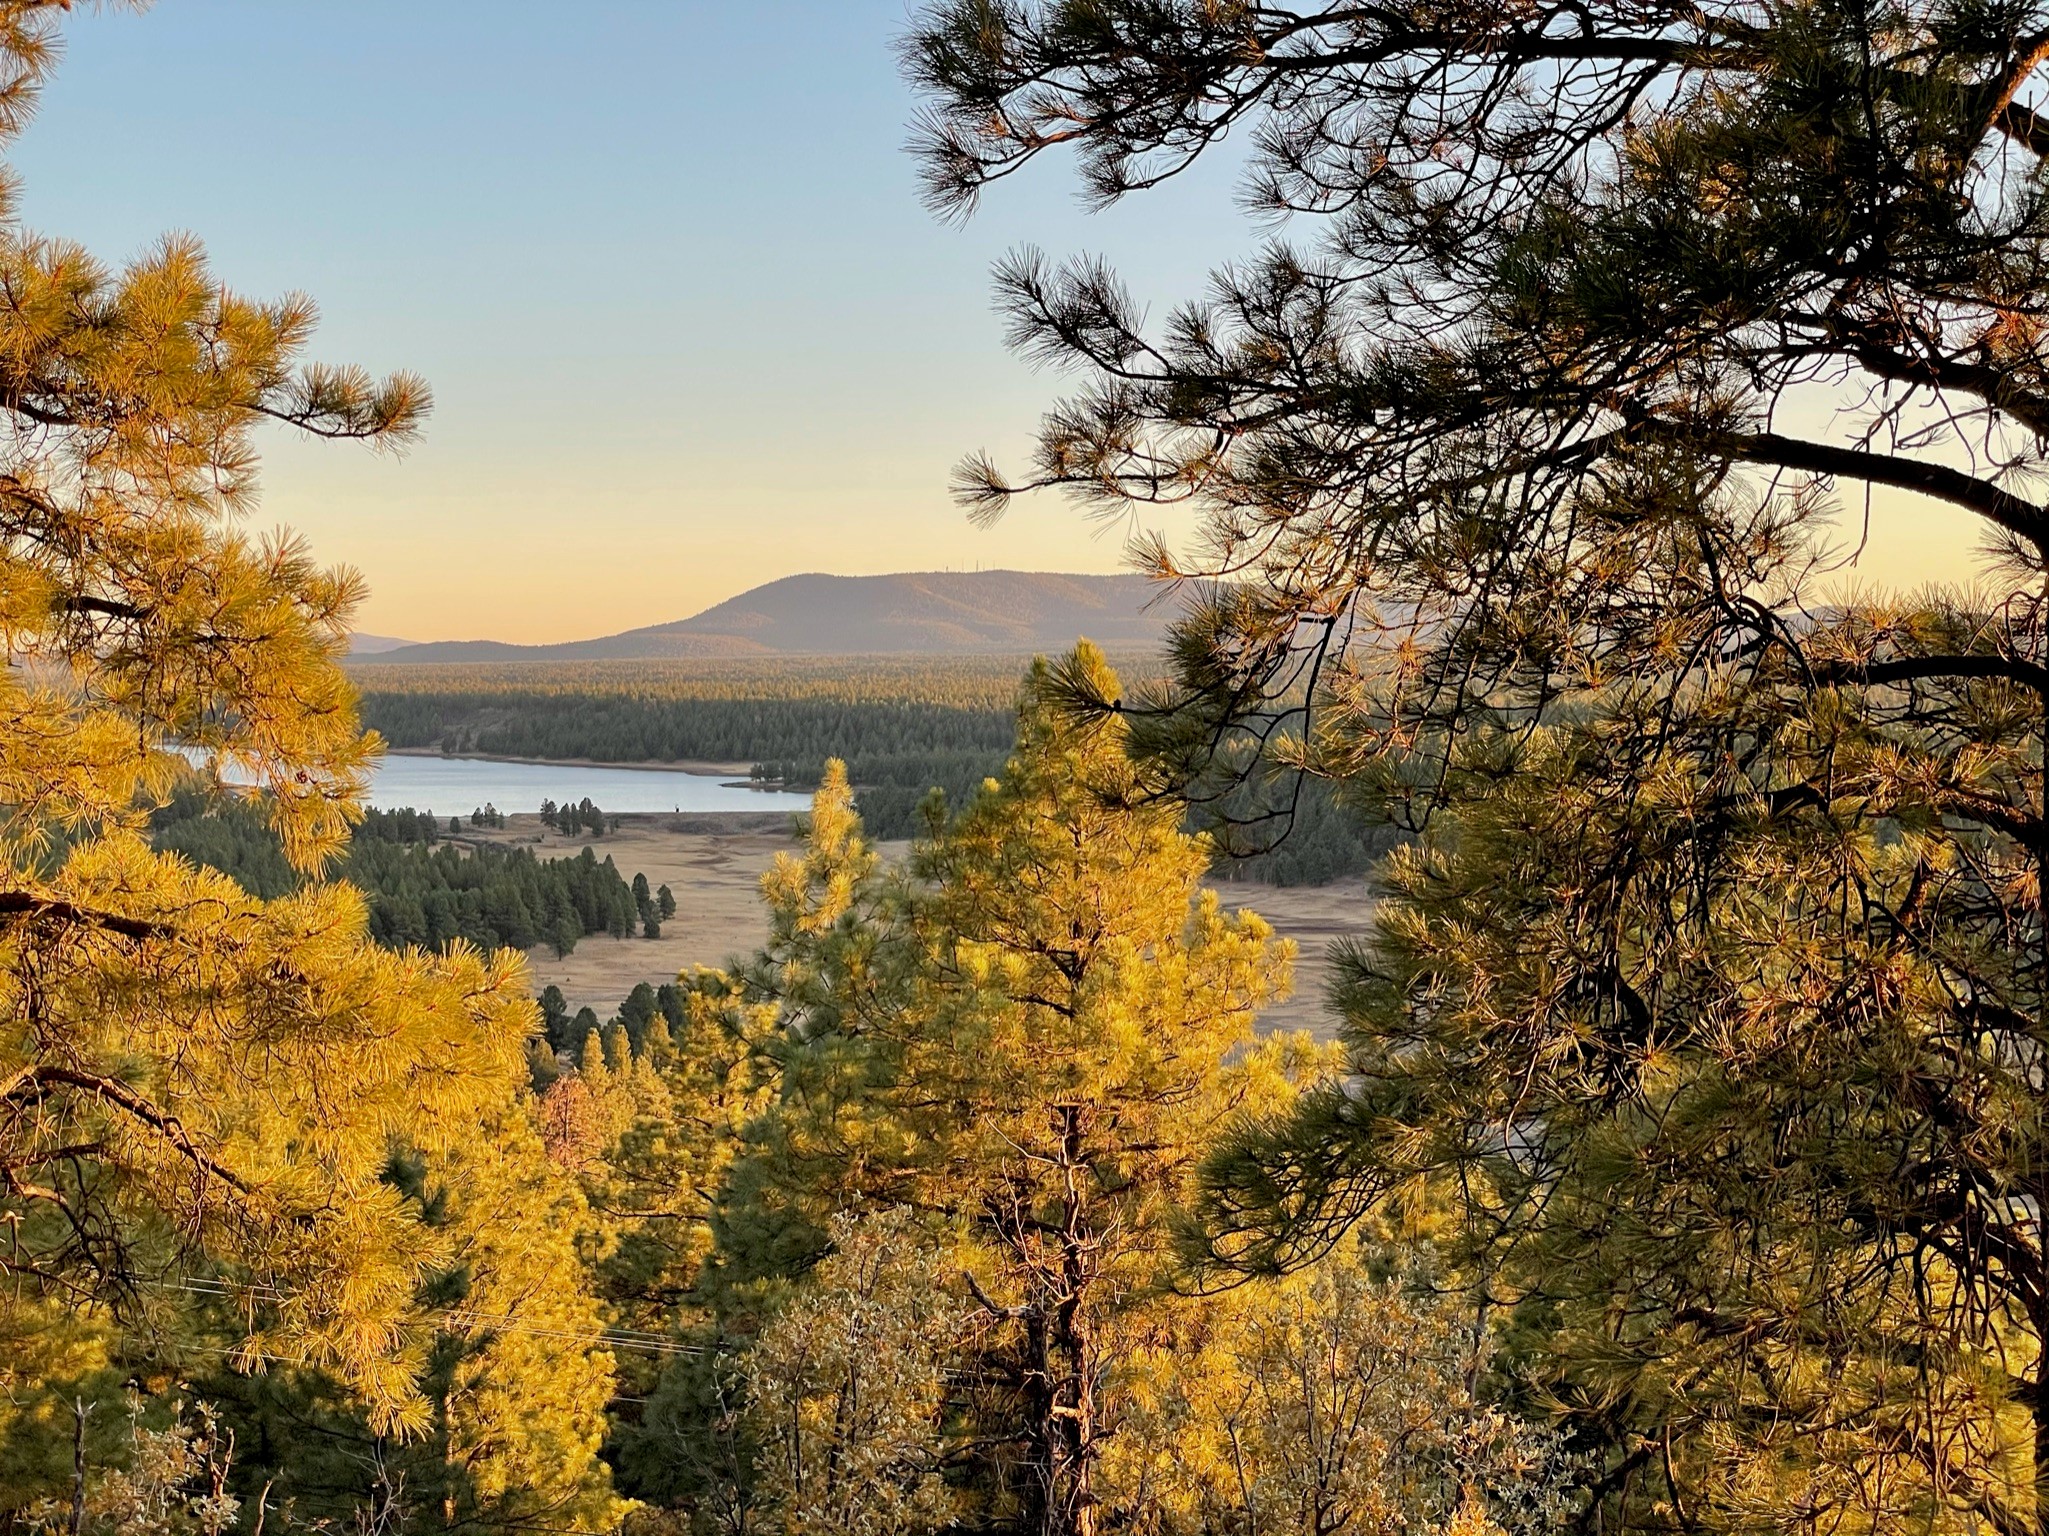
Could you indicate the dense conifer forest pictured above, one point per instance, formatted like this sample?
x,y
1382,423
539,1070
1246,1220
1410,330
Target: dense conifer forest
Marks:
x,y
422,889
904,727
1673,1162
960,682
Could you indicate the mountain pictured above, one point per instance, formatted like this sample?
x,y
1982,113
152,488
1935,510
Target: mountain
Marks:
x,y
375,645
930,613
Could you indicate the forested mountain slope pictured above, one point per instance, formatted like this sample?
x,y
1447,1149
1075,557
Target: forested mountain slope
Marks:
x,y
926,613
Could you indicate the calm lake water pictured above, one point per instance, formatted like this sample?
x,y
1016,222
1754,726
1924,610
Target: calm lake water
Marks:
x,y
455,786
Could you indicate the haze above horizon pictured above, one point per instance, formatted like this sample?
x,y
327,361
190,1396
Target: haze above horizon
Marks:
x,y
688,326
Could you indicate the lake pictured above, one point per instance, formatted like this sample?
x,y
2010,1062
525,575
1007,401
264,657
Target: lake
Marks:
x,y
455,786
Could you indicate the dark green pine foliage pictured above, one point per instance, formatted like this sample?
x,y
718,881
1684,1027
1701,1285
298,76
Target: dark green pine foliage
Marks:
x,y
1715,995
572,820
1294,832
490,896
554,1016
420,891
641,1008
650,914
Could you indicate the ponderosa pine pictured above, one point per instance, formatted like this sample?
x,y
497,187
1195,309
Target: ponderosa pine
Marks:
x,y
1716,988
202,1093
1030,1036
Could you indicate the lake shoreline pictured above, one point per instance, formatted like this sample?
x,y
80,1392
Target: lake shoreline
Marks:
x,y
693,766
454,782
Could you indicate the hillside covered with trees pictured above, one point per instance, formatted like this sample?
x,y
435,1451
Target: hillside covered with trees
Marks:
x,y
1679,1161
1039,1015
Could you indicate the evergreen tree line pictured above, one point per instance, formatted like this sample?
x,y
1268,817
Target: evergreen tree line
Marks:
x,y
893,786
956,682
618,728
493,897
1291,832
401,826
627,1029
422,890
896,752
569,820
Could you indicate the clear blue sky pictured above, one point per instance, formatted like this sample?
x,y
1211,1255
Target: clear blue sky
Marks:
x,y
663,262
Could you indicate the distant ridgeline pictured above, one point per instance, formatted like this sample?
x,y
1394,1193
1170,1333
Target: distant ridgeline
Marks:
x,y
902,725
420,890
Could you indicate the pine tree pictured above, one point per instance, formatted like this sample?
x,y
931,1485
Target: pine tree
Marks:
x,y
563,932
695,1089
848,1385
1711,1080
1716,983
196,1084
1348,1396
554,1016
1515,264
515,1374
1032,1032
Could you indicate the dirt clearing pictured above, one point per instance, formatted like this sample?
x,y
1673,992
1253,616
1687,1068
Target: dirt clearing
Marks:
x,y
714,866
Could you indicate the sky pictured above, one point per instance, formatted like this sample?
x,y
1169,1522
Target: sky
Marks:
x,y
664,264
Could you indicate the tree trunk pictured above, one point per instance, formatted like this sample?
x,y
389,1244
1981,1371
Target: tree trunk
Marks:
x,y
1057,1375
1071,1509
1038,1517
2039,1408
79,1413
